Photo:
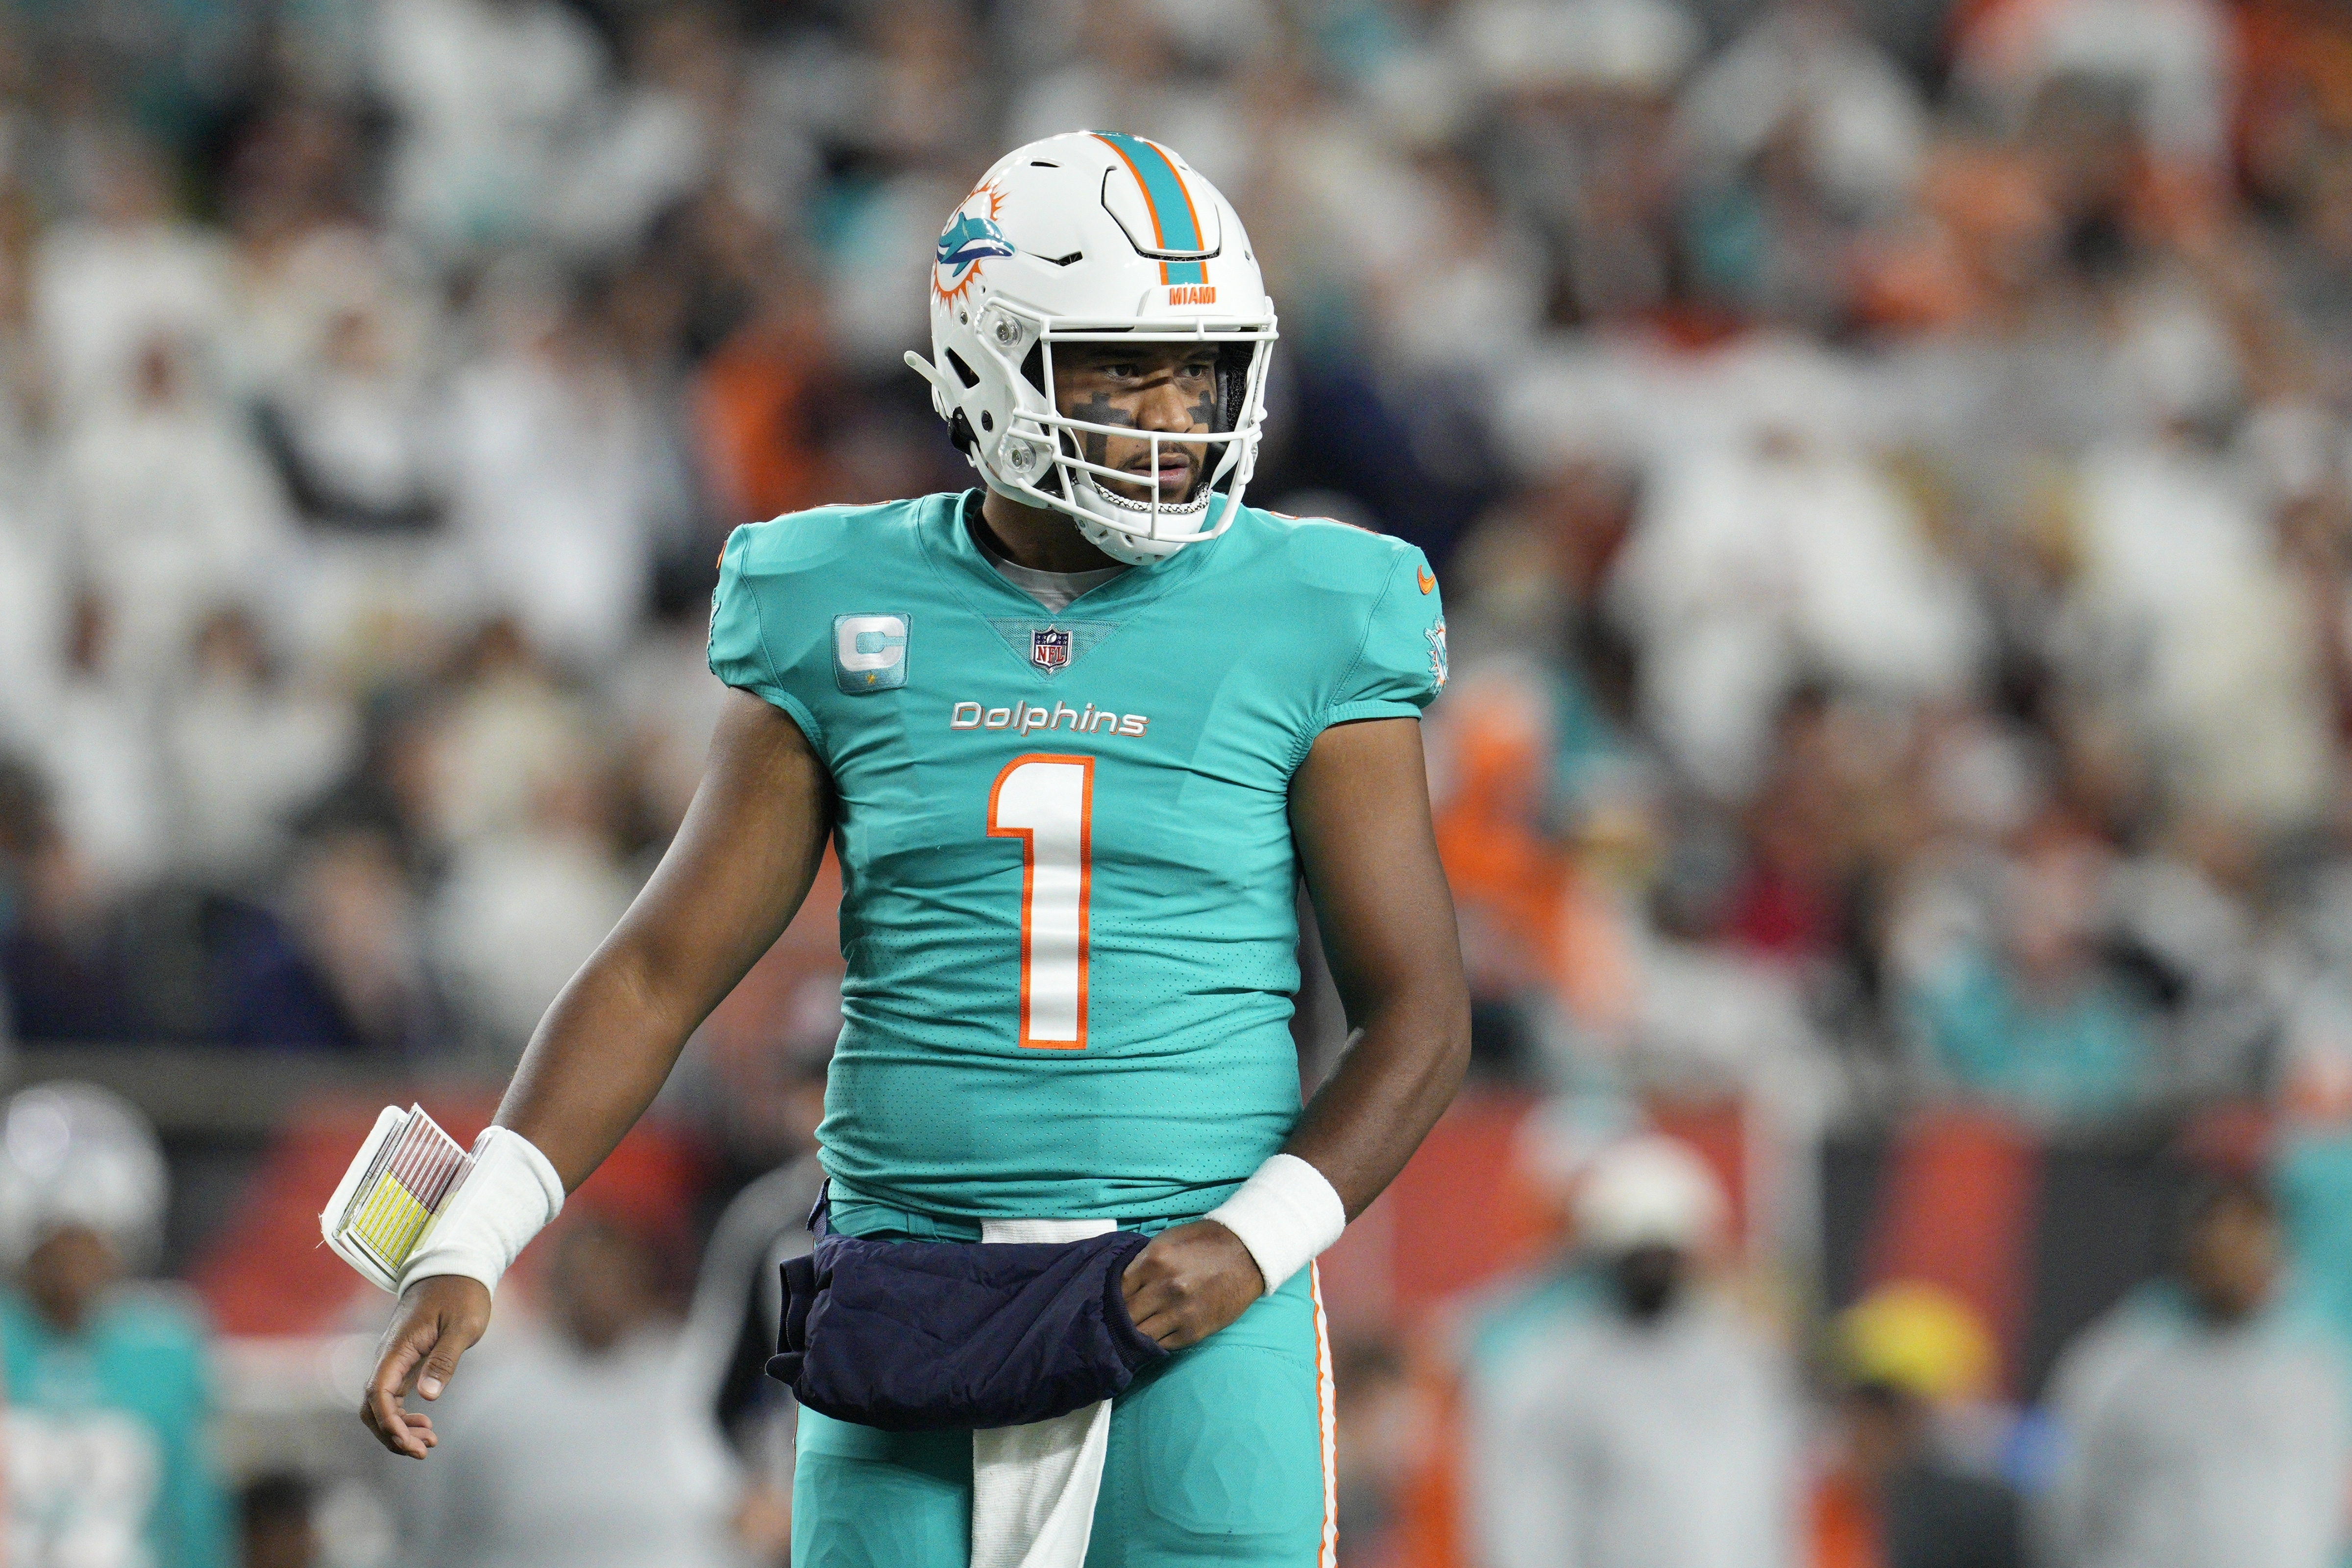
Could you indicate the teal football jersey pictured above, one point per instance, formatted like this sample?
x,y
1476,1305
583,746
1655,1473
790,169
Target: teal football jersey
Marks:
x,y
1067,907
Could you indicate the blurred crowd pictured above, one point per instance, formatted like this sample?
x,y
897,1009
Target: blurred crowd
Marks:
x,y
1627,1410
1894,514
1909,661
1888,462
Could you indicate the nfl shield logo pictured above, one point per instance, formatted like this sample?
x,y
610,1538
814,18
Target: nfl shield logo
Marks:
x,y
1049,648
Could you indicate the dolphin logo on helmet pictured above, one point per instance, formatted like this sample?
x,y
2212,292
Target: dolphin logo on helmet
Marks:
x,y
1096,236
971,236
971,239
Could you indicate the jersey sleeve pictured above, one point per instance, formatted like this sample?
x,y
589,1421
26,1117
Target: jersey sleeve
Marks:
x,y
740,650
1400,667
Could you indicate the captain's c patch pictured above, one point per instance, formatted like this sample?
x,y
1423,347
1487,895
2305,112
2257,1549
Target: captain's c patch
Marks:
x,y
869,653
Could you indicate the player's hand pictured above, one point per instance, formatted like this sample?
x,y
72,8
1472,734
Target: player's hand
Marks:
x,y
438,1320
1190,1282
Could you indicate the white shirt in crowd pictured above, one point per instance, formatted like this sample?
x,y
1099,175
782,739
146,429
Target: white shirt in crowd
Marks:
x,y
1612,1443
554,1458
2192,1445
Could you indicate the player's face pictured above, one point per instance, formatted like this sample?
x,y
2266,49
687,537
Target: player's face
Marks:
x,y
1170,389
2231,1260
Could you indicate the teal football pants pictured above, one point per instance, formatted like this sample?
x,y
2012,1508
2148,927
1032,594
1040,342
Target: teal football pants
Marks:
x,y
1220,1453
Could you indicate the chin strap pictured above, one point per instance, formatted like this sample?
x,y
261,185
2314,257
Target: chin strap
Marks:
x,y
1119,547
931,373
943,404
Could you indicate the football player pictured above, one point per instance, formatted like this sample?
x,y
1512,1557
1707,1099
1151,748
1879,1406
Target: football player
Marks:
x,y
1075,735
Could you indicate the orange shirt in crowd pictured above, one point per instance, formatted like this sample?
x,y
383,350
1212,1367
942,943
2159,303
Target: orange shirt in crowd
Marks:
x,y
1842,1525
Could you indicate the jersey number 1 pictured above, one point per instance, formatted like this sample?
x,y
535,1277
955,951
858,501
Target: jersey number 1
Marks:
x,y
1048,802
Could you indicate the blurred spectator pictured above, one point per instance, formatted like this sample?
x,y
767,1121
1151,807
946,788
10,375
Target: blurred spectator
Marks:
x,y
2173,55
1554,1151
2204,1422
60,953
111,1437
33,611
1805,67
347,421
1905,1357
1516,887
901,109
488,94
548,455
1136,65
739,1301
276,1513
760,407
1775,557
651,142
585,1446
1382,1424
520,910
295,200
669,706
335,964
98,748
175,511
501,725
1806,135
1447,314
2189,611
1580,97
244,753
125,274
2029,1012
1654,1428
535,879
354,922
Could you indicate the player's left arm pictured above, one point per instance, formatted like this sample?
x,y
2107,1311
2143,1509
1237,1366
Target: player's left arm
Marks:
x,y
1359,814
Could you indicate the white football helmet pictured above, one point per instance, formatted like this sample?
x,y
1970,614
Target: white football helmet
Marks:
x,y
75,1154
1094,237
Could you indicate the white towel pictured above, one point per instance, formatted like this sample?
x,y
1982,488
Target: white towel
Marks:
x,y
1034,1486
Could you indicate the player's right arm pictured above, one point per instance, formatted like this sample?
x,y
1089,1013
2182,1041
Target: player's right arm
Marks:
x,y
732,880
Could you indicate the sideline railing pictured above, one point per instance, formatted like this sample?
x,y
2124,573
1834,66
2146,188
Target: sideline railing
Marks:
x,y
223,1092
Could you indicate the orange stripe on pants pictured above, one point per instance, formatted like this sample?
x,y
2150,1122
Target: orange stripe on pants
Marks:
x,y
1325,1401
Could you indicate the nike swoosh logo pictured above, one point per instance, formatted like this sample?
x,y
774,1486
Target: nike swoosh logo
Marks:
x,y
1427,581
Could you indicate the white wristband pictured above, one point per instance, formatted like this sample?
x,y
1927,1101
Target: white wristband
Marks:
x,y
505,1200
1285,1213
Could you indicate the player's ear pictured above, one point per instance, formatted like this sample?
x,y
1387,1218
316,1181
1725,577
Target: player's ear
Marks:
x,y
1232,383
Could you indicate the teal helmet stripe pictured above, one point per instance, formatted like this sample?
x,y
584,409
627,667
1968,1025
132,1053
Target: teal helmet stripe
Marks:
x,y
1171,205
